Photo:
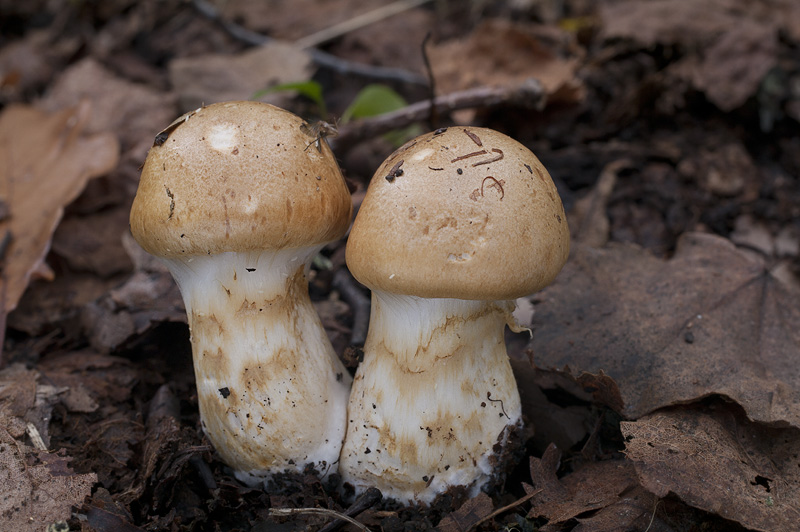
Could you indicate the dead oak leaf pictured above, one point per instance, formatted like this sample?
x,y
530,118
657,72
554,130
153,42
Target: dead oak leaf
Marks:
x,y
730,48
711,320
593,486
716,460
465,518
47,163
504,53
37,488
205,79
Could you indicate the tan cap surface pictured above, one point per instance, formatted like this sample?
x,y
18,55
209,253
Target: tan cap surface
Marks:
x,y
465,213
238,176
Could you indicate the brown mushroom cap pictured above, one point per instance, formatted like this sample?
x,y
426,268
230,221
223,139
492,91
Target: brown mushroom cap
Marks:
x,y
238,176
465,213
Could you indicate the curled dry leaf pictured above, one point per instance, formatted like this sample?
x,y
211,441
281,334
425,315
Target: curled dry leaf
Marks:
x,y
504,53
593,486
133,110
729,47
470,514
206,79
47,162
716,460
711,320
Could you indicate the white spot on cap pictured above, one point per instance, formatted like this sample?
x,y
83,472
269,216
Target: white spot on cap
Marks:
x,y
223,137
421,155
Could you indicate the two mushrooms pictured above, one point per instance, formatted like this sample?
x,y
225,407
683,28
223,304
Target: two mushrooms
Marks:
x,y
237,198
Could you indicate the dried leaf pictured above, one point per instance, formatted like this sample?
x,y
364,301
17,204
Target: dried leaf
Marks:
x,y
93,243
499,53
638,509
716,460
206,79
730,48
711,320
593,486
132,110
25,400
669,22
470,513
37,488
732,69
47,163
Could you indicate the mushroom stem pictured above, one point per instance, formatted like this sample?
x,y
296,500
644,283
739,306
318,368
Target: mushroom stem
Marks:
x,y
434,402
272,392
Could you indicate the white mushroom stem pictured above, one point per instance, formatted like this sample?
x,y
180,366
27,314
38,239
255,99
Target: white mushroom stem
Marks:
x,y
434,401
272,392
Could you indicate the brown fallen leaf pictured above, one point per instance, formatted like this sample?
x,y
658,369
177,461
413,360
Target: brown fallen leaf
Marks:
x,y
716,460
48,162
93,243
471,512
565,426
150,296
729,47
26,403
37,488
733,68
593,486
504,53
133,111
638,509
206,79
711,320
652,22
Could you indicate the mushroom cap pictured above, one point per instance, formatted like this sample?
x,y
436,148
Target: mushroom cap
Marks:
x,y
466,213
238,176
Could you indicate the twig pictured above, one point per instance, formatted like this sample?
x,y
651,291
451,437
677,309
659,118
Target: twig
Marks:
x,y
35,436
357,22
504,509
368,499
323,59
283,512
345,284
204,471
653,518
528,94
433,118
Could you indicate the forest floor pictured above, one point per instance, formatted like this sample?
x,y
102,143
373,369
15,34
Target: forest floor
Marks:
x,y
661,384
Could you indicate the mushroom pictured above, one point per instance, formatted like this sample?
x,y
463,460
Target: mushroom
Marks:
x,y
455,226
236,199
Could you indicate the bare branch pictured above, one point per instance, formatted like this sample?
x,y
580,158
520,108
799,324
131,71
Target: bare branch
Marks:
x,y
323,59
283,512
528,94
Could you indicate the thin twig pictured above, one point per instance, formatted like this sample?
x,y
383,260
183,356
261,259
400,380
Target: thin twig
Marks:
x,y
323,59
359,303
504,509
283,512
653,517
529,94
357,22
368,499
433,118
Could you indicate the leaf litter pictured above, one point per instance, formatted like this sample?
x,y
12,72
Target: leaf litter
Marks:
x,y
710,320
655,127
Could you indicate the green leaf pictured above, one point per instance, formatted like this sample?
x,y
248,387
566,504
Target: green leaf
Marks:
x,y
373,100
310,89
